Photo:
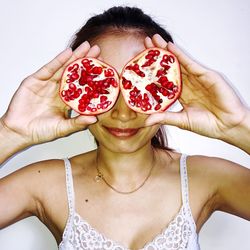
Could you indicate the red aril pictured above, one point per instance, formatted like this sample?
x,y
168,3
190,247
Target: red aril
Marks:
x,y
89,86
151,81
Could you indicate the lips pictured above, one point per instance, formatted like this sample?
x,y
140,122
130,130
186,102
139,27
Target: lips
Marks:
x,y
120,132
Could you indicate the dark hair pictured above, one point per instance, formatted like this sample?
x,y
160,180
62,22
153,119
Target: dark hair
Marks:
x,y
120,20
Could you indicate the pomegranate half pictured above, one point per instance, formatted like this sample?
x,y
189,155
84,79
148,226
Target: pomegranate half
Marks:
x,y
151,81
89,86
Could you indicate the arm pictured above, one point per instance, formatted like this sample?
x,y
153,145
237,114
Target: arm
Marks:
x,y
227,181
10,143
210,105
18,198
234,189
36,113
33,191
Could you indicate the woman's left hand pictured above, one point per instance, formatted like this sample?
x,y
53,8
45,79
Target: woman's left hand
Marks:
x,y
210,105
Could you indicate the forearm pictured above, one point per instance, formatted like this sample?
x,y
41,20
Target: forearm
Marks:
x,y
240,135
10,143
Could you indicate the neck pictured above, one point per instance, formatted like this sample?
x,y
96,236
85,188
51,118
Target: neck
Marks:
x,y
125,170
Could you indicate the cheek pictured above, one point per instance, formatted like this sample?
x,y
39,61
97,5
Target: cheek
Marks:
x,y
93,128
151,131
99,132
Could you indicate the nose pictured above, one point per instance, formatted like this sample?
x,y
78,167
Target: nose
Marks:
x,y
121,111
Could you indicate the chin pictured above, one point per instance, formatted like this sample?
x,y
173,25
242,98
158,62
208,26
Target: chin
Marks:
x,y
123,147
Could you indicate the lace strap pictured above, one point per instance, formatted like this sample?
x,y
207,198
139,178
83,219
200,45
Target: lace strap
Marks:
x,y
185,190
184,179
70,187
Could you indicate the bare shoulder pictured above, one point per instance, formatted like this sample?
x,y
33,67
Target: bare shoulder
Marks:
x,y
34,172
216,184
228,182
40,181
42,171
49,175
34,179
52,170
200,165
212,171
217,172
201,171
25,190
214,167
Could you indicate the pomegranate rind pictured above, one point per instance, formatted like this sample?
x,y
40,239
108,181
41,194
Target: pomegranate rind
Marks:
x,y
92,92
134,81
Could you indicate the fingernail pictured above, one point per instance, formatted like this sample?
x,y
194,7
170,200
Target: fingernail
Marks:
x,y
95,46
86,119
86,43
148,122
68,49
92,119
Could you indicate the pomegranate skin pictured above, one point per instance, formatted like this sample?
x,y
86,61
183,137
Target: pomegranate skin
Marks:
x,y
151,82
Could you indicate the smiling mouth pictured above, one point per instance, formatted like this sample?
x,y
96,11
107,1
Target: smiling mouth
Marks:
x,y
124,133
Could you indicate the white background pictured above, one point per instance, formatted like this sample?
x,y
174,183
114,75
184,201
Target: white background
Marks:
x,y
215,32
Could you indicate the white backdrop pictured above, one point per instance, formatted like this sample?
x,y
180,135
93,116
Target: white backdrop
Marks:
x,y
215,32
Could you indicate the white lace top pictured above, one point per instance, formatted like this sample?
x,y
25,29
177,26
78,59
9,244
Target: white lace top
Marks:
x,y
180,233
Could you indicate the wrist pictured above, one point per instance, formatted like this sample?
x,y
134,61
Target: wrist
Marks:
x,y
239,136
10,142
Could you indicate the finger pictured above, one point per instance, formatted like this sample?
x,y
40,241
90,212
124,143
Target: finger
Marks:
x,y
48,70
148,43
94,51
80,51
69,126
177,119
158,41
187,62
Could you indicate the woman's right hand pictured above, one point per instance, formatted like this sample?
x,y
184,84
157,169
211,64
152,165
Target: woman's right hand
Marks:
x,y
36,113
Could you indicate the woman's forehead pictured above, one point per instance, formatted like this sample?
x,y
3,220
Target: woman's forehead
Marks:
x,y
118,50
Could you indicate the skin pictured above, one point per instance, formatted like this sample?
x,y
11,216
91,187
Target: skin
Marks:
x,y
214,184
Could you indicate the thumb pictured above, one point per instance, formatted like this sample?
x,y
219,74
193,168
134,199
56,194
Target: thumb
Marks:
x,y
75,124
168,118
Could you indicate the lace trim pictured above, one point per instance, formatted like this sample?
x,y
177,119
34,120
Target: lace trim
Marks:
x,y
185,189
84,237
70,195
175,236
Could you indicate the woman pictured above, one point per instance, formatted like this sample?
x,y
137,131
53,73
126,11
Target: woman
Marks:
x,y
113,189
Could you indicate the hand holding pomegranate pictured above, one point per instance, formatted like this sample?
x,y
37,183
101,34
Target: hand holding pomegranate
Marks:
x,y
36,113
210,105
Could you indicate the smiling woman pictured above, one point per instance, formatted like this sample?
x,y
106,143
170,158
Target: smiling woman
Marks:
x,y
131,170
